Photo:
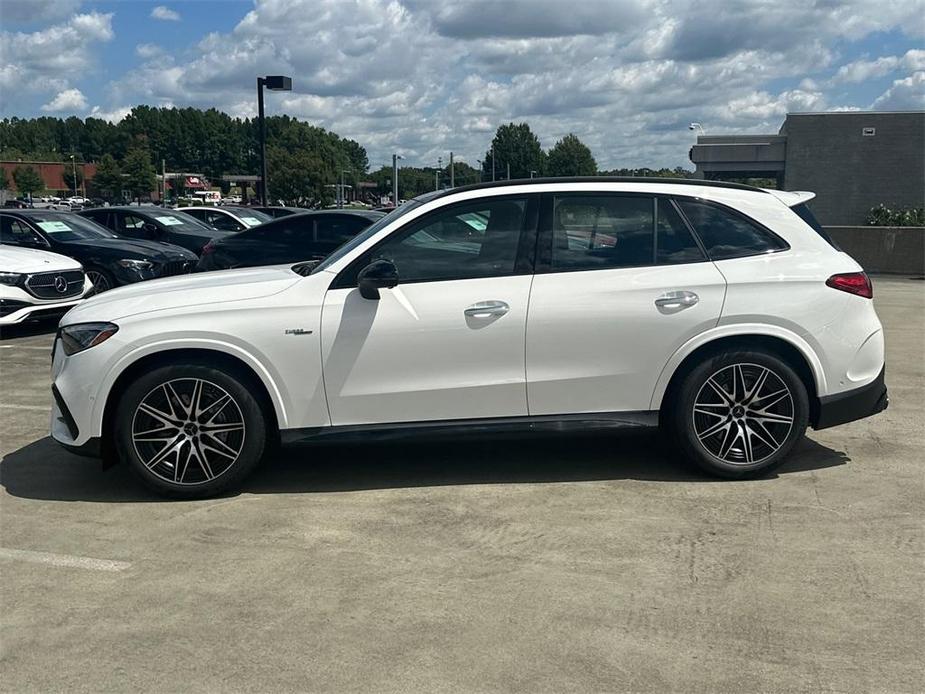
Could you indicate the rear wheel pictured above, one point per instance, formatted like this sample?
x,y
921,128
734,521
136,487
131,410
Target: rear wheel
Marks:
x,y
190,431
740,413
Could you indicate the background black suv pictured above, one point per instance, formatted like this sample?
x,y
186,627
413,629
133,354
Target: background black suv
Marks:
x,y
108,259
305,236
151,223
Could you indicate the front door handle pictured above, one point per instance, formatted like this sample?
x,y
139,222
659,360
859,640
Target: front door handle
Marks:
x,y
677,300
486,309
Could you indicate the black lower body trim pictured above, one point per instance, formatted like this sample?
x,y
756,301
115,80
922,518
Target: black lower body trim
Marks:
x,y
524,426
66,416
855,404
90,449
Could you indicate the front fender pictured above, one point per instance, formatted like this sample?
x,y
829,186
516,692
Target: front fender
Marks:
x,y
258,363
802,344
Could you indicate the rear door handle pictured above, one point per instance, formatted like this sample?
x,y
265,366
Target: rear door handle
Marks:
x,y
486,309
677,300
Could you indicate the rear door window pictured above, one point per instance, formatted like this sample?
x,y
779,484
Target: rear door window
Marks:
x,y
728,234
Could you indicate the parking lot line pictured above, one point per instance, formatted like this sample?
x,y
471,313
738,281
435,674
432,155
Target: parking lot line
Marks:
x,y
64,560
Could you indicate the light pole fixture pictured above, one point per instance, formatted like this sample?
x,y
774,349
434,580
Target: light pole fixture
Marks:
x,y
532,173
395,158
74,168
275,83
696,126
340,194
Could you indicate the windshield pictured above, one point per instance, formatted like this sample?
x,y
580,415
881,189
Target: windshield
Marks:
x,y
250,217
175,220
371,231
70,227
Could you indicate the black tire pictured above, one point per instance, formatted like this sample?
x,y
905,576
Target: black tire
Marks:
x,y
202,442
105,280
736,437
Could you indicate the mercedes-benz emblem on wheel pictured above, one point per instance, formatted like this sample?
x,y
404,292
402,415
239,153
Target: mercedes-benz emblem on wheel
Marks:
x,y
60,284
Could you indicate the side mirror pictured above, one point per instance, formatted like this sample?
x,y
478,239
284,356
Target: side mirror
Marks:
x,y
379,274
152,230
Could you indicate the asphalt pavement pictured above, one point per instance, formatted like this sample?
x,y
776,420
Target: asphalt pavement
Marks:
x,y
581,563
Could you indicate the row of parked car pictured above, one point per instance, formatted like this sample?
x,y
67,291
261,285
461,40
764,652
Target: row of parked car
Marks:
x,y
50,260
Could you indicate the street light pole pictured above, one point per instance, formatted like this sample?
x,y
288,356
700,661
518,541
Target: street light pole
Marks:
x,y
452,173
493,163
74,165
395,158
275,83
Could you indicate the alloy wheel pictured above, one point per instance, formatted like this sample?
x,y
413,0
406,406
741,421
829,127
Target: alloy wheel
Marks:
x,y
743,414
99,280
188,431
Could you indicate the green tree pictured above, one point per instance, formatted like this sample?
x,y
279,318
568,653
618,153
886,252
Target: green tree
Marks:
x,y
570,157
140,178
28,180
108,178
514,146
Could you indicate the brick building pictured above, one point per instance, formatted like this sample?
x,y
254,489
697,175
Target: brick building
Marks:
x,y
52,173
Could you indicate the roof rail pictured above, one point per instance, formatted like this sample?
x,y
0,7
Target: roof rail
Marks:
x,y
603,179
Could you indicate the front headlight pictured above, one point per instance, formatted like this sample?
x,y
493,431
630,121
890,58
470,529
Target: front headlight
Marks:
x,y
10,278
80,336
136,264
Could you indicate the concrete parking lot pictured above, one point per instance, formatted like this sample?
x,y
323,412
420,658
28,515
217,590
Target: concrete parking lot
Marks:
x,y
570,564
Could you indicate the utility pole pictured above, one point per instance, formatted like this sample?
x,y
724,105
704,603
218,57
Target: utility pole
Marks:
x,y
437,173
74,165
509,171
492,163
452,173
481,170
395,158
163,182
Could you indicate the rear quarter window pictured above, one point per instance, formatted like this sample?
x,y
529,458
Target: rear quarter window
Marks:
x,y
803,212
728,234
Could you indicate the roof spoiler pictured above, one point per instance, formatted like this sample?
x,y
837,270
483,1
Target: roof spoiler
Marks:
x,y
791,198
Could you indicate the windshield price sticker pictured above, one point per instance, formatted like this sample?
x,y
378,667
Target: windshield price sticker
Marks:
x,y
52,227
169,221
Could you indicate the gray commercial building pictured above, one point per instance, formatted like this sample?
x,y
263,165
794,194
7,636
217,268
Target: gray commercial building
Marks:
x,y
852,160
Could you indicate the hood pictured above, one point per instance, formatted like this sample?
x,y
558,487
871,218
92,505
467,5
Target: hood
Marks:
x,y
133,248
28,260
184,290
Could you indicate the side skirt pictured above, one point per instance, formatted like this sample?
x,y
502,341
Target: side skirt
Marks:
x,y
520,426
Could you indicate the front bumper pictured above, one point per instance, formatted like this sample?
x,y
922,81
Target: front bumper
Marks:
x,y
23,312
853,404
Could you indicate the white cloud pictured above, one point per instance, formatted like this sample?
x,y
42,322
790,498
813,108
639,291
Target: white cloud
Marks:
x,y
146,51
906,94
423,77
165,14
44,61
112,115
70,100
27,11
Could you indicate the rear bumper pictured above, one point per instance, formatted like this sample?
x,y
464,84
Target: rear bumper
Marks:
x,y
853,404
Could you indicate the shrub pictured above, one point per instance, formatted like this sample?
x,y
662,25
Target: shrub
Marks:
x,y
883,216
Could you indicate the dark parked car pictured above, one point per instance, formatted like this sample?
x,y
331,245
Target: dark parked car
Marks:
x,y
279,211
109,260
227,217
155,224
305,236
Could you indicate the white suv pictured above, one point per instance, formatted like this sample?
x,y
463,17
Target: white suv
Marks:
x,y
716,310
37,284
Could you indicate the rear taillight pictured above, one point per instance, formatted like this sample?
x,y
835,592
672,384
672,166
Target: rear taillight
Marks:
x,y
208,248
852,282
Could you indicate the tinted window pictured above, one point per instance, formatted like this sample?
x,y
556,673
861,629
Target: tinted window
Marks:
x,y
803,212
675,243
98,216
592,232
223,222
336,229
17,233
284,230
449,245
726,234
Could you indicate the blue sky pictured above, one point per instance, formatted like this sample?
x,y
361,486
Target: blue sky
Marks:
x,y
424,77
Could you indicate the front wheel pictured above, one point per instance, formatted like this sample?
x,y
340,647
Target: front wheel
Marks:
x,y
740,413
190,431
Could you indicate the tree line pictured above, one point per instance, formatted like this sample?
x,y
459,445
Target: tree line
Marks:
x,y
304,161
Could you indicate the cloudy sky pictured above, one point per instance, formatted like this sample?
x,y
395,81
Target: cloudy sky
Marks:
x,y
423,77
